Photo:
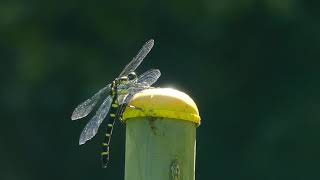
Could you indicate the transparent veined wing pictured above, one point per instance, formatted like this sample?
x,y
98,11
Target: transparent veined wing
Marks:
x,y
131,92
149,77
127,91
136,61
91,129
83,109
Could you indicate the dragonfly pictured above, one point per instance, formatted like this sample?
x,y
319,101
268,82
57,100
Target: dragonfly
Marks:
x,y
118,94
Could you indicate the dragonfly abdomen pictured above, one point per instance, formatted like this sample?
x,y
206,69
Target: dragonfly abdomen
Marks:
x,y
106,142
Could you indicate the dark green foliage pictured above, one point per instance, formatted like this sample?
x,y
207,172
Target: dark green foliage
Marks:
x,y
252,68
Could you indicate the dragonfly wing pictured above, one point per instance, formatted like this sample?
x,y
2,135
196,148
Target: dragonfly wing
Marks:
x,y
126,91
136,61
83,109
91,129
131,92
149,77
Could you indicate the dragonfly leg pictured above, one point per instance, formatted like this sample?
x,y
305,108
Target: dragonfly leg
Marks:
x,y
123,107
136,107
120,111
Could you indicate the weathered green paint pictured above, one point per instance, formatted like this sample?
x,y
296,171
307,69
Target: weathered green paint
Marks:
x,y
160,149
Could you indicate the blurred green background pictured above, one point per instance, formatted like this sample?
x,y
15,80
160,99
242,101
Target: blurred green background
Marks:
x,y
251,66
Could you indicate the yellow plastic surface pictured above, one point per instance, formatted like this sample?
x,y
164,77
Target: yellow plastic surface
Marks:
x,y
162,102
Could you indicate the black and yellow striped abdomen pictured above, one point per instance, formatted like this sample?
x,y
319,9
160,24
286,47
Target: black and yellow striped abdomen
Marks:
x,y
111,122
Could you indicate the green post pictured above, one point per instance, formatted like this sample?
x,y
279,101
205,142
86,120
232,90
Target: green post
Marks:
x,y
161,136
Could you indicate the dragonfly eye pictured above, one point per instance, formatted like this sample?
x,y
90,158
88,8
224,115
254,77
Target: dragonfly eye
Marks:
x,y
132,76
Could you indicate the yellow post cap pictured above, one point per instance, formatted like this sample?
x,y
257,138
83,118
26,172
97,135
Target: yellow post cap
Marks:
x,y
162,102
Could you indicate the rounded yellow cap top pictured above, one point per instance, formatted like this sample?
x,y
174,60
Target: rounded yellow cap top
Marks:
x,y
162,102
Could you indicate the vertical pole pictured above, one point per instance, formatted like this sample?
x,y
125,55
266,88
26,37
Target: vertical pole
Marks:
x,y
159,148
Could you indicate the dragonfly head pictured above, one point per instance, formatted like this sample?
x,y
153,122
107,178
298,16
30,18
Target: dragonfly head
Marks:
x,y
125,79
132,76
